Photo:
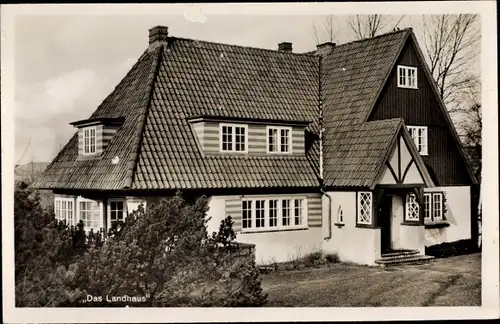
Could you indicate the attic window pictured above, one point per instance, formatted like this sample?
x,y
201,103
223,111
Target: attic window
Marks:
x,y
89,140
407,77
233,138
419,136
279,140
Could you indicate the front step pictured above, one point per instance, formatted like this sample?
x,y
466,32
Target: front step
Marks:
x,y
403,258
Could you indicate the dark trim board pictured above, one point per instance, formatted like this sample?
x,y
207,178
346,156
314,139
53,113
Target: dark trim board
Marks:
x,y
396,178
402,186
407,169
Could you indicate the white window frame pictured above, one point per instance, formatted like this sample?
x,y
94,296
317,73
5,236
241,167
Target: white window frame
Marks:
x,y
108,216
78,211
58,211
279,213
430,208
412,203
360,207
421,140
233,137
406,78
90,146
277,145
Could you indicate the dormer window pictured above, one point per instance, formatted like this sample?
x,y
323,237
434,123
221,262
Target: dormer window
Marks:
x,y
233,138
407,77
89,140
279,139
419,136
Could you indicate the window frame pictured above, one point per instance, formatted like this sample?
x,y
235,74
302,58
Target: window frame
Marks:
x,y
67,200
425,138
89,129
359,207
430,211
278,139
279,214
108,216
406,76
233,138
100,208
411,198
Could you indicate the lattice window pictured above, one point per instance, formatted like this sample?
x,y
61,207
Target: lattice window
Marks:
x,y
365,210
412,207
246,216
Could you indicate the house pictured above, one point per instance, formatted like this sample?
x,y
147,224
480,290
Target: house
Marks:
x,y
347,149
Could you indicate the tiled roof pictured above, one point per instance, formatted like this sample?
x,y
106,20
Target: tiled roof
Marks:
x,y
155,144
352,76
359,153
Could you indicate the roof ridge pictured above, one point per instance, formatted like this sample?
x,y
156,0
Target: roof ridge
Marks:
x,y
242,46
153,73
407,29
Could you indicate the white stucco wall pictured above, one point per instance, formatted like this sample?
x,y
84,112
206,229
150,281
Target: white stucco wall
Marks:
x,y
352,244
277,246
457,204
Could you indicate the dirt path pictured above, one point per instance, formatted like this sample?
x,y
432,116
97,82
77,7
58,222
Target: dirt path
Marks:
x,y
454,281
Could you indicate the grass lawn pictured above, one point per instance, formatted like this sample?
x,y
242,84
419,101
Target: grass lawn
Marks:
x,y
454,281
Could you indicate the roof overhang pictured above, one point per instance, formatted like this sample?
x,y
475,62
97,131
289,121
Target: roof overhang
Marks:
x,y
117,121
202,118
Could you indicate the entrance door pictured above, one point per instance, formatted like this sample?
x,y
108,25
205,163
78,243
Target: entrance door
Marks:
x,y
384,217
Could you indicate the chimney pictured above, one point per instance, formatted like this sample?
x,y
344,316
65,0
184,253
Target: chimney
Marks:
x,y
325,48
158,35
285,47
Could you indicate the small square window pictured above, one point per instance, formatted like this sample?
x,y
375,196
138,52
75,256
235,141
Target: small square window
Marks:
x,y
433,210
279,139
233,138
407,77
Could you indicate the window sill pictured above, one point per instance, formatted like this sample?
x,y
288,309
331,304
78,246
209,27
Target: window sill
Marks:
x,y
89,157
367,226
440,224
243,232
339,225
407,87
410,223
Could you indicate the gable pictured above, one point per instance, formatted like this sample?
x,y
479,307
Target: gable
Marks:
x,y
422,107
401,167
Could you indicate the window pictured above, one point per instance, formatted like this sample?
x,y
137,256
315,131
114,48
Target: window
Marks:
x,y
285,209
90,214
117,212
433,210
259,213
365,208
407,77
412,207
279,139
419,136
273,214
89,145
246,214
340,215
233,138
64,210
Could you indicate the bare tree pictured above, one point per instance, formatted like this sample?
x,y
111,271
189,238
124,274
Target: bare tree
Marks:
x,y
450,43
328,28
367,26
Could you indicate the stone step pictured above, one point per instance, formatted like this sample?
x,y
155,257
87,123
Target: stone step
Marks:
x,y
412,259
400,253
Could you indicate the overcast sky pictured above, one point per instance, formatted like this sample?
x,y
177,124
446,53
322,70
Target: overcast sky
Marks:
x,y
66,65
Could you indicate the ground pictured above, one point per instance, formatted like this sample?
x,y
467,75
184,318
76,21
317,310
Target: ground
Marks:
x,y
453,281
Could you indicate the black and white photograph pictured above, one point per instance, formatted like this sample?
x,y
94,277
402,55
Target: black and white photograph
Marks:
x,y
211,159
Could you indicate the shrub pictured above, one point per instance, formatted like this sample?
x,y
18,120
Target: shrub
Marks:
x,y
448,249
332,258
313,259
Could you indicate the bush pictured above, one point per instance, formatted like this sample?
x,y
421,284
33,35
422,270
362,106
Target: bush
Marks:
x,y
332,258
448,249
313,259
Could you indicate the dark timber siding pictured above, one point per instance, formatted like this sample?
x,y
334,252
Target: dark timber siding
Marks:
x,y
420,107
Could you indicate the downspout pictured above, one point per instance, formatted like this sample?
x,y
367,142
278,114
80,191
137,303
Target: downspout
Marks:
x,y
321,130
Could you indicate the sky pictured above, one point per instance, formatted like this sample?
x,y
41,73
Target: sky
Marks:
x,y
65,65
